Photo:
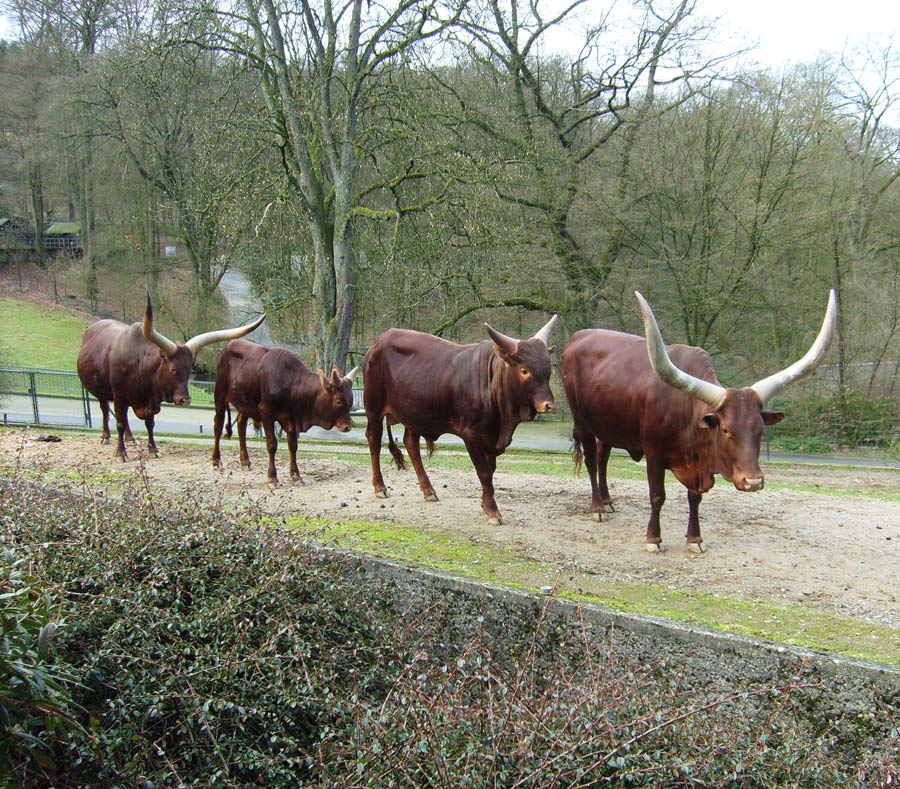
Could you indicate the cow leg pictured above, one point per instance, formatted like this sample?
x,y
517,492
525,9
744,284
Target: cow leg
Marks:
x,y
271,446
603,452
485,465
149,423
374,433
411,440
292,451
104,410
589,452
656,477
218,424
242,439
121,429
694,540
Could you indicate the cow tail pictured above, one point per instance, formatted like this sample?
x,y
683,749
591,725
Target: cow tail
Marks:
x,y
228,424
576,454
429,445
399,462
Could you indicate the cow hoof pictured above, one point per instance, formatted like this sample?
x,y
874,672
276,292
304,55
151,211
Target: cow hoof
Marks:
x,y
273,483
695,547
431,496
380,494
652,547
598,517
298,480
495,521
104,440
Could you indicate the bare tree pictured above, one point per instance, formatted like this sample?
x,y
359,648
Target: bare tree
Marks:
x,y
320,66
176,115
561,116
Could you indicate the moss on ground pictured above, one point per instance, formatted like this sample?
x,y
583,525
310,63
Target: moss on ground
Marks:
x,y
797,625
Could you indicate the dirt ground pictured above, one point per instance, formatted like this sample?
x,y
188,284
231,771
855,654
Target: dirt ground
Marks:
x,y
838,551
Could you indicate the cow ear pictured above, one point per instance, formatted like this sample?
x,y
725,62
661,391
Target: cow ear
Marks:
x,y
551,349
772,417
710,421
335,378
322,378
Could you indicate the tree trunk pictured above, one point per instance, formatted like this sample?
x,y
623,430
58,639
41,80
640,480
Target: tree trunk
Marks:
x,y
36,184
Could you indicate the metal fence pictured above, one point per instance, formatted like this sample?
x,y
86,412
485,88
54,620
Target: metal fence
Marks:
x,y
31,396
43,397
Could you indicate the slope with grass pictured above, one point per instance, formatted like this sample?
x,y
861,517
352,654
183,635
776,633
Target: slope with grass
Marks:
x,y
35,335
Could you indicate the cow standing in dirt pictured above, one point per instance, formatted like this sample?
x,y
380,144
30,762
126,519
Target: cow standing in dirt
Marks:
x,y
135,366
479,392
629,392
271,385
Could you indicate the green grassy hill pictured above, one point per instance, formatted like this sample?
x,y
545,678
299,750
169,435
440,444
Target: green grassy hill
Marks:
x,y
33,335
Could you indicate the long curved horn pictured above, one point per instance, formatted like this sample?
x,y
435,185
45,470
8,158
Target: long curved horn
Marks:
x,y
767,388
709,393
544,334
506,344
349,376
222,335
168,347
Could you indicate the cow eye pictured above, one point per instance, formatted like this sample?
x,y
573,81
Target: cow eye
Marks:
x,y
525,372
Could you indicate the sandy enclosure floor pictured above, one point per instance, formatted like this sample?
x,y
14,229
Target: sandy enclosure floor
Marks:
x,y
839,551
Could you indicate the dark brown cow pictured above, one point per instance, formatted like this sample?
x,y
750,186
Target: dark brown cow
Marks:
x,y
628,392
135,366
270,385
478,392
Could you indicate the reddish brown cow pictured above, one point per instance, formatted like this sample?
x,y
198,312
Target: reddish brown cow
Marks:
x,y
478,392
628,392
135,366
270,385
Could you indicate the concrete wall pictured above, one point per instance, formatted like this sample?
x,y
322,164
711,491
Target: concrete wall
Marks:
x,y
850,695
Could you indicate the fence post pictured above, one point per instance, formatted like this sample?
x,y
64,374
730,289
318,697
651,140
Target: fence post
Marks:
x,y
86,400
34,398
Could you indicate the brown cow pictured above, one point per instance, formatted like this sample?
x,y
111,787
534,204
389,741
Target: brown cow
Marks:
x,y
628,392
135,366
479,392
270,385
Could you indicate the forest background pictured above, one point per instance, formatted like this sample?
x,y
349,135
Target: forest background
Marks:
x,y
435,166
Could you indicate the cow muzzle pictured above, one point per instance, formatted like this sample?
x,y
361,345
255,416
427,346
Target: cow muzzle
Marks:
x,y
545,407
749,484
182,399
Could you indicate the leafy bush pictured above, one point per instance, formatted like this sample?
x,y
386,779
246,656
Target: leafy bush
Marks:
x,y
211,653
35,709
822,423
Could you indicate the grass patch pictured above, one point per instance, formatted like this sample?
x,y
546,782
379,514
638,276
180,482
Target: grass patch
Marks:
x,y
37,336
789,624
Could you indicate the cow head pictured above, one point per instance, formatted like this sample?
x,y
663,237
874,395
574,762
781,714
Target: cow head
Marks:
x,y
334,401
738,416
528,369
177,360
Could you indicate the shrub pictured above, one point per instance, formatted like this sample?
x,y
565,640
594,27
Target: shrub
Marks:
x,y
35,706
850,419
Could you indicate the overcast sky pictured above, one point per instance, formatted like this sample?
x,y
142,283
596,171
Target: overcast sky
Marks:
x,y
793,31
788,31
